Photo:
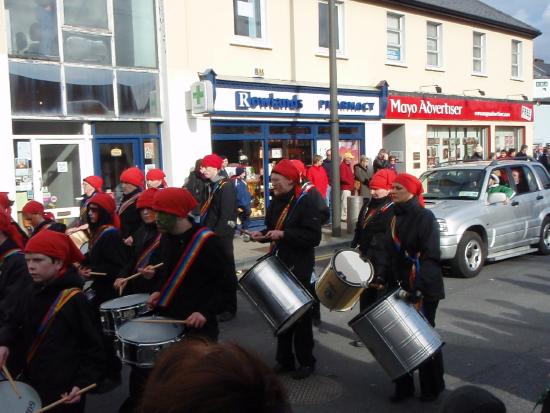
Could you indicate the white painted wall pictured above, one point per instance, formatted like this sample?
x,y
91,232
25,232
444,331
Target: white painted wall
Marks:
x,y
542,124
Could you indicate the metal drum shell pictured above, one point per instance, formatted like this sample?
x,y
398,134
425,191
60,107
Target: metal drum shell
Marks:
x,y
396,334
112,318
276,292
337,293
141,354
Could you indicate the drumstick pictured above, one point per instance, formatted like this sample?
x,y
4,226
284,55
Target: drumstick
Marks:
x,y
10,379
62,400
97,273
153,321
137,274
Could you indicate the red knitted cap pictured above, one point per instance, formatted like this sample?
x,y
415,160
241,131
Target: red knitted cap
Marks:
x,y
382,179
33,207
155,175
95,181
174,201
106,202
132,176
412,184
212,160
54,244
146,198
287,169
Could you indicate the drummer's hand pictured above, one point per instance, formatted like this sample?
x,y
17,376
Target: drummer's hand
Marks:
x,y
129,241
85,272
147,272
255,235
195,320
119,283
72,230
153,299
72,397
275,234
4,353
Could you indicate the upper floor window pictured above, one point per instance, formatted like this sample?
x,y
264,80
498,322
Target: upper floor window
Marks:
x,y
323,25
395,47
516,58
479,53
433,45
249,18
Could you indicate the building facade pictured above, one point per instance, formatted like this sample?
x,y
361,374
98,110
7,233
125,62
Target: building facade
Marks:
x,y
541,96
96,86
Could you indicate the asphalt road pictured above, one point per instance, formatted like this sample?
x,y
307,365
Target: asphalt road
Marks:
x,y
496,328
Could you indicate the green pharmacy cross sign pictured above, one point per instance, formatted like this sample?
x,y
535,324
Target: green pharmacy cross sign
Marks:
x,y
202,97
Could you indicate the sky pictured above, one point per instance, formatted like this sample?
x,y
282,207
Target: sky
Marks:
x,y
533,12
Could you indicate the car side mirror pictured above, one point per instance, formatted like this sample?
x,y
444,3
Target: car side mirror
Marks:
x,y
497,198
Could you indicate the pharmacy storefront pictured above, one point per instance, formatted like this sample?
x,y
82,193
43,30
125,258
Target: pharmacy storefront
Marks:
x,y
439,129
256,124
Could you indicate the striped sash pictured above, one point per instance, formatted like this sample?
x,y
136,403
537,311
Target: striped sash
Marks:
x,y
145,255
206,206
8,254
62,298
184,264
104,229
374,212
126,204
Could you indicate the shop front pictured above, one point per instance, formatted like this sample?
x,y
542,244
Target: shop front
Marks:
x,y
437,130
257,124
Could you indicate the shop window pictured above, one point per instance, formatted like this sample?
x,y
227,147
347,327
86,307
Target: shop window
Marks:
x,y
433,45
249,18
395,34
135,33
517,49
449,144
86,48
343,130
236,129
126,128
507,138
89,91
86,13
35,88
138,94
26,127
32,29
290,130
479,53
324,22
151,155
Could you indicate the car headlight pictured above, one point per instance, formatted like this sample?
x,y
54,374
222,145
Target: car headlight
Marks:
x,y
442,225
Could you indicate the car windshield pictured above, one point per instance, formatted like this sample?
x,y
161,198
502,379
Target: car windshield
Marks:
x,y
453,183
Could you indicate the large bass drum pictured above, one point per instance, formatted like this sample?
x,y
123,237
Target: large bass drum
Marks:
x,y
343,280
396,334
276,292
139,344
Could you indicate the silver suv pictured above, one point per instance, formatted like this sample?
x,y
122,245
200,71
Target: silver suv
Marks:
x,y
489,210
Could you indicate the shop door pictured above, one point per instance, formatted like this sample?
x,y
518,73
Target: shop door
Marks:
x,y
113,156
58,176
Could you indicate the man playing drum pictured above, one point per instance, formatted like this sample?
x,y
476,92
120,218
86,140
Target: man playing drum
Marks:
x,y
414,263
371,229
293,224
55,325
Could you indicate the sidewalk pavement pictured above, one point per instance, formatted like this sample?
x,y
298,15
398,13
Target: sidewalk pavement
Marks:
x,y
247,253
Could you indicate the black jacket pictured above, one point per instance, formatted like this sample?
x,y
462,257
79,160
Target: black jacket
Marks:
x,y
200,291
302,233
71,353
223,209
418,232
378,164
143,238
107,254
51,225
198,186
372,238
129,218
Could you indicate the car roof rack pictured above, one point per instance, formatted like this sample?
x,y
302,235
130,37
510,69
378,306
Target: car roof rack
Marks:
x,y
459,161
504,161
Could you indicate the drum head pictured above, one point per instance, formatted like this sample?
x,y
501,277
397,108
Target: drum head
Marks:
x,y
124,301
149,333
84,248
348,264
9,402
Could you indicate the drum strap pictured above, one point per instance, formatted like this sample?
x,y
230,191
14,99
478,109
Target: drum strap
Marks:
x,y
374,212
184,264
145,256
8,254
415,260
126,204
104,229
206,206
62,298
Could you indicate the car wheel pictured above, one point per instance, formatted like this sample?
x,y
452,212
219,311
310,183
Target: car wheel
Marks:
x,y
470,255
544,241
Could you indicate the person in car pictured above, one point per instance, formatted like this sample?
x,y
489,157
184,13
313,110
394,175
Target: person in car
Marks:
x,y
519,180
494,186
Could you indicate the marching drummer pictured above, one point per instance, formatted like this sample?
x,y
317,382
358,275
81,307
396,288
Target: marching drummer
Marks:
x,y
370,232
91,185
33,212
105,260
132,181
293,224
414,263
55,325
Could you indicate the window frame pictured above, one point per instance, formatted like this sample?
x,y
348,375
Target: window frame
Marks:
x,y
439,50
401,45
340,51
259,42
519,55
483,54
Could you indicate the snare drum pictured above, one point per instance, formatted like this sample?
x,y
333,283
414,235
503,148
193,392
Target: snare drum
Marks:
x,y
139,344
395,333
118,310
276,292
80,239
9,402
343,280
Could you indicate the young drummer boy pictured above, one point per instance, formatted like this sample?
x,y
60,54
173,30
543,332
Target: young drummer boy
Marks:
x,y
55,325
